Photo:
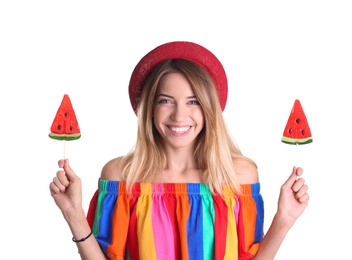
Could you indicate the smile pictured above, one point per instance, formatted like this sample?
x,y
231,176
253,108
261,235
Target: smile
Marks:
x,y
179,130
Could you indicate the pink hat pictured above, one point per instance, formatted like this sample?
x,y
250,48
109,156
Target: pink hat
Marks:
x,y
178,50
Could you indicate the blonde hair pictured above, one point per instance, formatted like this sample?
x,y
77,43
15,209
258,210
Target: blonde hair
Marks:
x,y
215,148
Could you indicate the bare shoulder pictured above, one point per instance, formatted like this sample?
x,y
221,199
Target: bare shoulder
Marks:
x,y
112,170
246,170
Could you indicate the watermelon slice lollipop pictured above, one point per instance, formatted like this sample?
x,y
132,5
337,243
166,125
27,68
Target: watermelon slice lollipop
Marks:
x,y
297,130
65,125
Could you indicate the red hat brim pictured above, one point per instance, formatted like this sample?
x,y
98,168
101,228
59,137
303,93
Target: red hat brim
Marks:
x,y
178,50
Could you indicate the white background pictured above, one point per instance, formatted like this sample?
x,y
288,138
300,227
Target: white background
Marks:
x,y
273,52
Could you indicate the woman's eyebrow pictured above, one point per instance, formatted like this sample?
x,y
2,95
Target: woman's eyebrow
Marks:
x,y
169,96
164,95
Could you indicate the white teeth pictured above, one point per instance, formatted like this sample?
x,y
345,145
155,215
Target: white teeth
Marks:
x,y
179,130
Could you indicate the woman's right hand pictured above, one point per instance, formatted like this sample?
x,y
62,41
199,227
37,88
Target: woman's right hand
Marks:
x,y
66,189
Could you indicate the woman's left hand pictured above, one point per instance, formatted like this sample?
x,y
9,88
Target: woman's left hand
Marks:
x,y
294,195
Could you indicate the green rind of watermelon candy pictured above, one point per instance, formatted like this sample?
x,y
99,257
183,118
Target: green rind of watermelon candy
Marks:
x,y
300,141
66,137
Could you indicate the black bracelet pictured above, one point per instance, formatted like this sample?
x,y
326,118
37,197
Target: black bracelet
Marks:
x,y
83,239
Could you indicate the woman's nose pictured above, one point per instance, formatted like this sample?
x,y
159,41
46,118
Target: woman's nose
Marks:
x,y
179,113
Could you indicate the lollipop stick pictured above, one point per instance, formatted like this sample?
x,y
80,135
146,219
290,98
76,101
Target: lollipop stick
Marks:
x,y
297,154
64,149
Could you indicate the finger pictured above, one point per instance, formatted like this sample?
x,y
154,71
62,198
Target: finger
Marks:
x,y
69,172
56,187
291,179
60,186
304,198
62,178
296,172
53,188
301,192
299,171
61,163
297,185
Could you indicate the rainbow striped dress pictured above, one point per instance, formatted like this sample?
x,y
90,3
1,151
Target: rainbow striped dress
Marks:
x,y
176,221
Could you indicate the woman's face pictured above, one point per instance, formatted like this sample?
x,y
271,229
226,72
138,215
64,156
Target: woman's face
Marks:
x,y
178,116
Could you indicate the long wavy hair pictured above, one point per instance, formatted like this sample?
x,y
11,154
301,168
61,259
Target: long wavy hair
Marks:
x,y
215,148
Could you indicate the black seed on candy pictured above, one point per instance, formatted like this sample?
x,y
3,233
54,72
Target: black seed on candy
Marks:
x,y
302,132
71,128
290,131
59,127
298,120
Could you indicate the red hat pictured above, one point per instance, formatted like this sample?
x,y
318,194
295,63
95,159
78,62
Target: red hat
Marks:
x,y
178,50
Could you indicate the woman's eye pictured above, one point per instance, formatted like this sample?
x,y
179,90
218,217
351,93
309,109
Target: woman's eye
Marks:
x,y
164,101
194,102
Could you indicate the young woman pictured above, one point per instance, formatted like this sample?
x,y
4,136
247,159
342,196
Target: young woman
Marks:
x,y
184,191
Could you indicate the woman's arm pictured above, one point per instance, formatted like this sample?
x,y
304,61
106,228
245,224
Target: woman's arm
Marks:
x,y
66,189
292,202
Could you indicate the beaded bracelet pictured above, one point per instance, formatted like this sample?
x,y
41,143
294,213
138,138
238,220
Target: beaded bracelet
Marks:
x,y
83,239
